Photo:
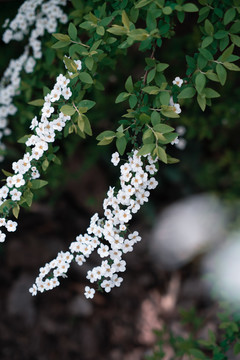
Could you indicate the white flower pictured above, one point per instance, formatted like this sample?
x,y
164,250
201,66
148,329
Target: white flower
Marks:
x,y
2,236
176,108
18,180
66,93
119,265
134,236
47,110
115,158
15,194
103,250
2,222
178,81
80,259
127,246
152,183
107,285
55,95
4,192
33,290
116,280
89,293
151,169
124,215
11,226
79,64
34,123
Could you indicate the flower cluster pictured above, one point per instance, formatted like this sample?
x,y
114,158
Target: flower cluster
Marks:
x,y
108,236
25,169
44,16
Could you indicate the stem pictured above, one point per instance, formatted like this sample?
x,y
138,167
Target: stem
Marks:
x,y
80,43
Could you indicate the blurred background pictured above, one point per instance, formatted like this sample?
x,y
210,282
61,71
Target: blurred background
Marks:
x,y
190,227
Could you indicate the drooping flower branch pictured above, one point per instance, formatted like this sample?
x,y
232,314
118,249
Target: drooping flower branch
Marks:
x,y
108,236
26,170
34,17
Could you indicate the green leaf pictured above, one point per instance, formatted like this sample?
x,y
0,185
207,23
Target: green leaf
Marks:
x,y
155,118
7,173
85,78
70,64
27,197
200,82
23,139
45,164
122,97
37,102
89,104
72,31
206,54
198,354
133,101
16,210
60,44
37,183
100,30
105,134
235,28
161,67
68,110
151,75
129,84
190,7
142,3
89,62
210,93
163,128
229,16
151,90
208,27
169,113
164,97
148,137
61,37
144,118
161,153
138,34
235,39
187,93
146,149
201,61
207,41
212,76
221,73
6,206
172,160
220,34
117,30
225,55
121,144
125,20
80,122
87,125
231,66
106,140
201,102
167,10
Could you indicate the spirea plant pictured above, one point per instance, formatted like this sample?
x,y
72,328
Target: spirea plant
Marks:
x,y
96,35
